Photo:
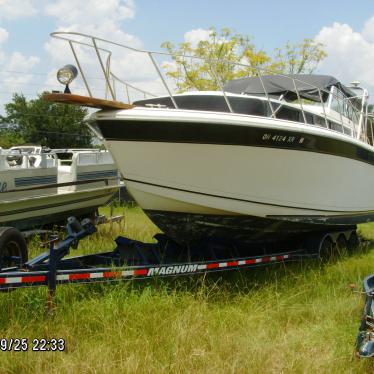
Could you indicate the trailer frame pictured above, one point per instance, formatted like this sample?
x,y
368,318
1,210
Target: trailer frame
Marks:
x,y
134,260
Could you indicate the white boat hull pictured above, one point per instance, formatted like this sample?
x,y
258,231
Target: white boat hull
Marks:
x,y
48,209
272,180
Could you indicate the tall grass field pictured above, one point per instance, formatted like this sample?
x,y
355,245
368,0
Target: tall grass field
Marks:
x,y
286,318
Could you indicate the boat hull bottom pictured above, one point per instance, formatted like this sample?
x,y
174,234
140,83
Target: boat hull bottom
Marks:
x,y
189,228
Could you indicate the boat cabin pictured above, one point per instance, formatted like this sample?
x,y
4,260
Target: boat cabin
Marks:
x,y
318,100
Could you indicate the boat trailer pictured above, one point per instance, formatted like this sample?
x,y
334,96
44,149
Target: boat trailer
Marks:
x,y
130,259
133,260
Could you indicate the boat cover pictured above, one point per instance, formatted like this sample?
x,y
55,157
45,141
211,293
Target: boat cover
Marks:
x,y
284,85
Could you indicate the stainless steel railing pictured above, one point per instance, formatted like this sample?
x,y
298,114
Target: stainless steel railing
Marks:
x,y
104,56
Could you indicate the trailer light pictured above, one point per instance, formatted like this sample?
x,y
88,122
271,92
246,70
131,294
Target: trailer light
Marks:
x,y
66,75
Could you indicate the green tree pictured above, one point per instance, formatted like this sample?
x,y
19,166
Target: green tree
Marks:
x,y
300,58
54,125
226,56
10,137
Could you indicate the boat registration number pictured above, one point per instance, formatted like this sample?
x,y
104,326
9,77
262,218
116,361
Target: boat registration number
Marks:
x,y
276,138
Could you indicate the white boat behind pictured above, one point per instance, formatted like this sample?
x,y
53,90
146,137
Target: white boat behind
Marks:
x,y
38,189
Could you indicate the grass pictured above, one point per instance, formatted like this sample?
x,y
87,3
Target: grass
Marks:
x,y
297,318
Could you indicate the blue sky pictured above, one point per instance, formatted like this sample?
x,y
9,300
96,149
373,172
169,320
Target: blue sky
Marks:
x,y
28,59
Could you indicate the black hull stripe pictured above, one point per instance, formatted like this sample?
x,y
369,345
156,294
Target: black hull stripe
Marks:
x,y
216,133
49,206
252,201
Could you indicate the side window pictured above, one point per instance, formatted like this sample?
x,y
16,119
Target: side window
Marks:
x,y
347,131
308,117
335,126
249,106
289,114
319,121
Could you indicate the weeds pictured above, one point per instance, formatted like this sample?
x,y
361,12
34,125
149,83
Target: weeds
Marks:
x,y
298,317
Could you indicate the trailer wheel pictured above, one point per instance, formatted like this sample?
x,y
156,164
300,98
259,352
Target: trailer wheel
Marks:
x,y
326,248
341,244
12,244
353,241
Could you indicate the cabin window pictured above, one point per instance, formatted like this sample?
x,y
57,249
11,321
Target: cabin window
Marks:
x,y
309,118
212,103
336,126
347,131
249,106
320,121
289,114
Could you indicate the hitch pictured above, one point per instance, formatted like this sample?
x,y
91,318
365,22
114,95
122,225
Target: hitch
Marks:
x,y
58,250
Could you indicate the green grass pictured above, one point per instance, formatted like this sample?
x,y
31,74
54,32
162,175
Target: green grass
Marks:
x,y
294,318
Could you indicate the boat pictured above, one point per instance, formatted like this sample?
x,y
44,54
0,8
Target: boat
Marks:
x,y
40,187
266,157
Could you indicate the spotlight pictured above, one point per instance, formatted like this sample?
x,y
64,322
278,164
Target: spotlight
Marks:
x,y
66,75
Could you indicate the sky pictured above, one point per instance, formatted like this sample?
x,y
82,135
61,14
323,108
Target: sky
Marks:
x,y
29,58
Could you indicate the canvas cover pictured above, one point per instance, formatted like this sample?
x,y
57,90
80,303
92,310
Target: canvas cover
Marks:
x,y
276,85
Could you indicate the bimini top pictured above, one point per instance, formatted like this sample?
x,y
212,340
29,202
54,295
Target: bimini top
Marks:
x,y
283,85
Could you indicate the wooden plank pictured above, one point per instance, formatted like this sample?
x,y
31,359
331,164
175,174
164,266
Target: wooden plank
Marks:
x,y
91,102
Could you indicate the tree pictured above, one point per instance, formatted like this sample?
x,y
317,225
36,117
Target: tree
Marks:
x,y
10,137
49,124
300,58
226,56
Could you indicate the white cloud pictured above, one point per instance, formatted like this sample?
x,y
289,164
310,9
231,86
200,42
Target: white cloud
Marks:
x,y
93,17
350,54
17,62
10,63
90,12
13,9
368,30
4,34
196,35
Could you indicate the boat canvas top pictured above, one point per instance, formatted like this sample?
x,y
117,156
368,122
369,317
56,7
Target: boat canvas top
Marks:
x,y
303,84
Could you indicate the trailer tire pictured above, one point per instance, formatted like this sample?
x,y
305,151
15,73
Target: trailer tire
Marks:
x,y
12,243
326,248
341,244
353,242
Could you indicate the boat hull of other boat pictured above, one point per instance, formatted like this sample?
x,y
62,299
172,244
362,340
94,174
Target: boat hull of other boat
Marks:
x,y
40,189
46,210
204,174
